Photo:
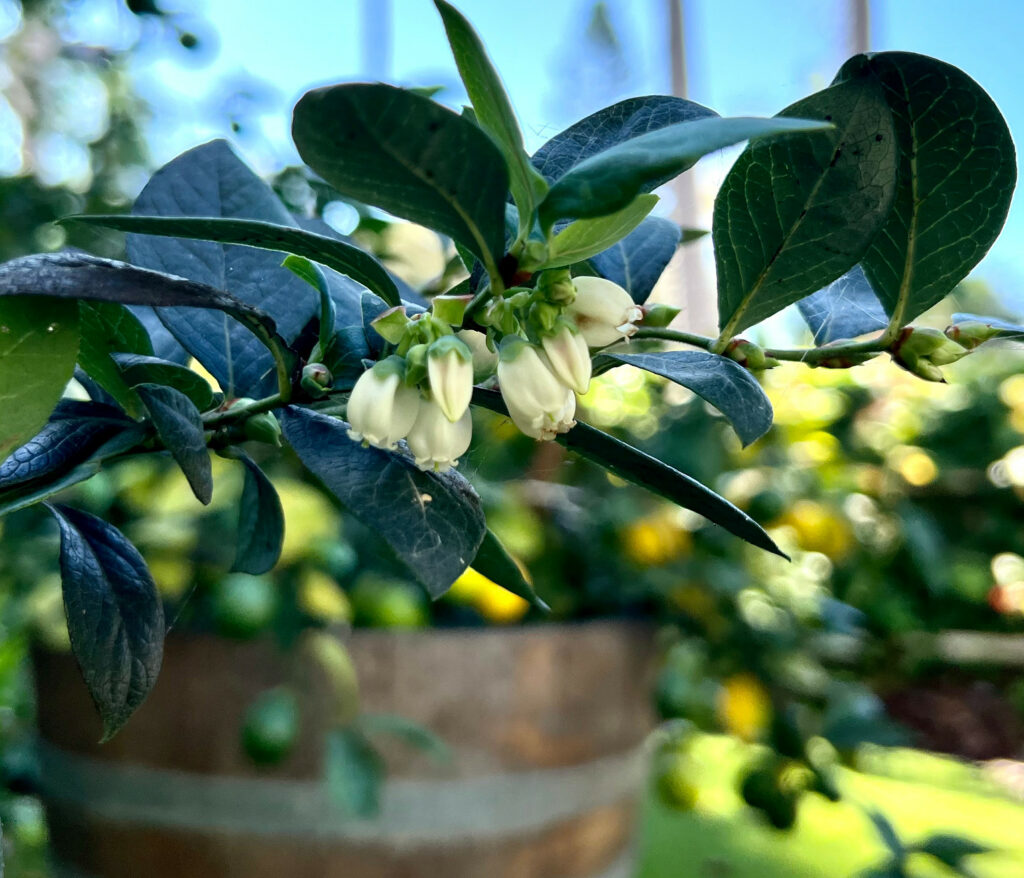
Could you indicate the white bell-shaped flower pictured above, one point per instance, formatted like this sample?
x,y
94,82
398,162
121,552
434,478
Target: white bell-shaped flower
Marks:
x,y
382,409
568,356
604,312
437,443
539,403
450,370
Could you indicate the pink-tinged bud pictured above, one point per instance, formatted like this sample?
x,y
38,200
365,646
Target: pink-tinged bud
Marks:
x,y
437,443
568,357
485,361
450,370
923,350
539,404
971,333
749,355
382,409
603,311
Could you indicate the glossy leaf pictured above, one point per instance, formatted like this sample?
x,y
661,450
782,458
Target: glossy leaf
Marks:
x,y
587,237
637,261
355,772
648,472
396,150
494,561
260,521
330,251
609,180
115,617
846,308
610,126
108,328
180,428
492,109
38,346
211,181
957,172
722,382
138,369
433,522
798,212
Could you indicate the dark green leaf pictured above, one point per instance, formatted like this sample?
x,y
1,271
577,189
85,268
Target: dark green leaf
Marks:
x,y
355,772
637,261
608,181
433,522
115,618
407,730
211,181
610,126
492,109
38,347
345,354
260,521
391,148
108,328
796,213
951,849
846,308
180,427
887,833
720,381
332,252
641,469
138,369
587,237
957,171
494,561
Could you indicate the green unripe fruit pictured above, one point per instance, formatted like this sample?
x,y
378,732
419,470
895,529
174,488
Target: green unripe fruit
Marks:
x,y
271,727
244,605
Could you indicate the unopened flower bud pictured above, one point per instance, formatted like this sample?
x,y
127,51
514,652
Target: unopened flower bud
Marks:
x,y
749,355
316,379
922,350
544,315
382,408
604,312
262,427
436,442
658,315
557,287
568,356
485,361
450,369
539,404
971,333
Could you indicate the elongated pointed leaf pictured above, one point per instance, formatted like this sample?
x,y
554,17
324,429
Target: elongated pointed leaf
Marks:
x,y
587,237
138,369
610,126
355,772
332,252
408,731
260,521
637,261
433,522
38,346
636,466
492,108
846,308
722,382
108,328
211,181
957,172
951,850
396,150
608,181
494,561
798,212
115,618
180,427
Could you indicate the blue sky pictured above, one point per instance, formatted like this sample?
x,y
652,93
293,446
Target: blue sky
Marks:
x,y
748,57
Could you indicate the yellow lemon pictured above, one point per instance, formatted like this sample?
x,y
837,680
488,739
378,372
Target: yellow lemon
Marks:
x,y
744,708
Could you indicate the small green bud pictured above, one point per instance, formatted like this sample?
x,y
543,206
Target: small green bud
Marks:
x,y
922,350
392,324
556,286
658,315
749,355
416,364
544,316
535,254
316,380
263,427
971,333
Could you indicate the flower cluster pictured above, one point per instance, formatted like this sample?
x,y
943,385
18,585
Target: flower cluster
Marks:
x,y
536,344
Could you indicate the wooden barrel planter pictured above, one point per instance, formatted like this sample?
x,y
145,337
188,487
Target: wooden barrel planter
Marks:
x,y
546,724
